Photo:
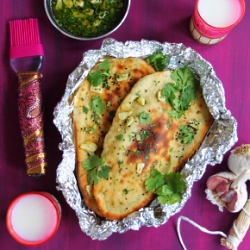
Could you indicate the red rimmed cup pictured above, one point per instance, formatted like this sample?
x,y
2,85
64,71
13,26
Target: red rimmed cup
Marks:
x,y
212,20
33,218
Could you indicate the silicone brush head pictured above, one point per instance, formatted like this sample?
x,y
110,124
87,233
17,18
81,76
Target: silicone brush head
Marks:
x,y
25,38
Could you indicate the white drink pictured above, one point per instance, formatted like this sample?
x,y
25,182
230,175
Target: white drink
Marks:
x,y
34,217
219,13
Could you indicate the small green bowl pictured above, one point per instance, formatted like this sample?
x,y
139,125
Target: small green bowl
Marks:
x,y
52,18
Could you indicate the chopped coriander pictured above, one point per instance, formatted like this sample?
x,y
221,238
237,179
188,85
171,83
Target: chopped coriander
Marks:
x,y
145,134
90,129
144,118
168,187
96,105
120,163
158,60
186,134
85,110
180,95
104,172
120,137
126,191
104,66
95,169
100,75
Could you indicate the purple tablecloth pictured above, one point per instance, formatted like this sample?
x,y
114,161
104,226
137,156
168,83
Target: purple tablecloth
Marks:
x,y
164,21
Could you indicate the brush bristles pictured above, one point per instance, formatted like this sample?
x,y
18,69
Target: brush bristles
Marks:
x,y
24,32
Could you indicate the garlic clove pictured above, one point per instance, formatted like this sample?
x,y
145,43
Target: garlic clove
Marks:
x,y
213,181
239,199
222,187
239,159
229,196
226,189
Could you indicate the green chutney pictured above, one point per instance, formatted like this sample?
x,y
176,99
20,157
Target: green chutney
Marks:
x,y
88,18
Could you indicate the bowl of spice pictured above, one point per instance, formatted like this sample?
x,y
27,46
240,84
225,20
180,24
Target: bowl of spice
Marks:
x,y
87,19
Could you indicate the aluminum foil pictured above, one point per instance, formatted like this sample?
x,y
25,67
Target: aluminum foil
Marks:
x,y
220,139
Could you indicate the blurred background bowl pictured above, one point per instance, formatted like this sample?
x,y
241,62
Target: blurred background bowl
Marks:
x,y
48,4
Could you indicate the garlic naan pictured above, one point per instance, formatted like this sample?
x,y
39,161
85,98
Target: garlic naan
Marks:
x,y
144,136
94,109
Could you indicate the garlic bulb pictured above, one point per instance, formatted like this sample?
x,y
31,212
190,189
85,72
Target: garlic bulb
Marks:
x,y
226,189
239,159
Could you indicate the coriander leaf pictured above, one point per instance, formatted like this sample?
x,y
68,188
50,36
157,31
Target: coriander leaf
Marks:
x,y
125,191
175,114
180,95
93,161
168,90
97,105
104,172
168,187
105,65
95,78
85,110
120,137
169,199
145,134
144,118
188,94
158,60
176,182
92,164
92,176
186,134
164,190
156,180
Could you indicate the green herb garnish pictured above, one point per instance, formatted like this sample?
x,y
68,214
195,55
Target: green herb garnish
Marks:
x,y
96,105
168,187
180,95
85,110
144,118
186,134
120,137
95,169
145,134
158,60
99,76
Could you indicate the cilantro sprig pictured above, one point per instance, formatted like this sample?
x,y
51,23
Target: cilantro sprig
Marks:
x,y
100,75
186,134
168,187
158,60
180,95
95,169
97,106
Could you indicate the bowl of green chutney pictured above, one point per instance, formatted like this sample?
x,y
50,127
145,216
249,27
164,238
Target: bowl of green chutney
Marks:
x,y
87,19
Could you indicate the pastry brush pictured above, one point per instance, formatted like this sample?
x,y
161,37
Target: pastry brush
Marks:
x,y
26,59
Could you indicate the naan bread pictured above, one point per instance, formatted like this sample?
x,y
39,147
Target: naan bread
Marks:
x,y
135,144
90,128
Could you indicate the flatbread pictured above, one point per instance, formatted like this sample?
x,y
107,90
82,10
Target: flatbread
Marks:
x,y
91,128
132,149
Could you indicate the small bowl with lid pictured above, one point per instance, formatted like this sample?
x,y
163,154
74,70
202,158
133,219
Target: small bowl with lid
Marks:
x,y
87,19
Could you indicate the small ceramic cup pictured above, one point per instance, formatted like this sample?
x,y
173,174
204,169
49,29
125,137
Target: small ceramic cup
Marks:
x,y
212,20
33,218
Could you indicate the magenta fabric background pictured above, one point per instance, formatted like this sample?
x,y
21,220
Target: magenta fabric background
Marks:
x,y
164,21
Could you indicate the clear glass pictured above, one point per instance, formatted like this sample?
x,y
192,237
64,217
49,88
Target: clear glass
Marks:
x,y
22,64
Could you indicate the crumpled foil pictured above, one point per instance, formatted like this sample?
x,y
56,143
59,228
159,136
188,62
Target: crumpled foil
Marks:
x,y
220,139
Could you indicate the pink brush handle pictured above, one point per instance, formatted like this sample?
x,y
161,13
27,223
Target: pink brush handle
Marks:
x,y
31,121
